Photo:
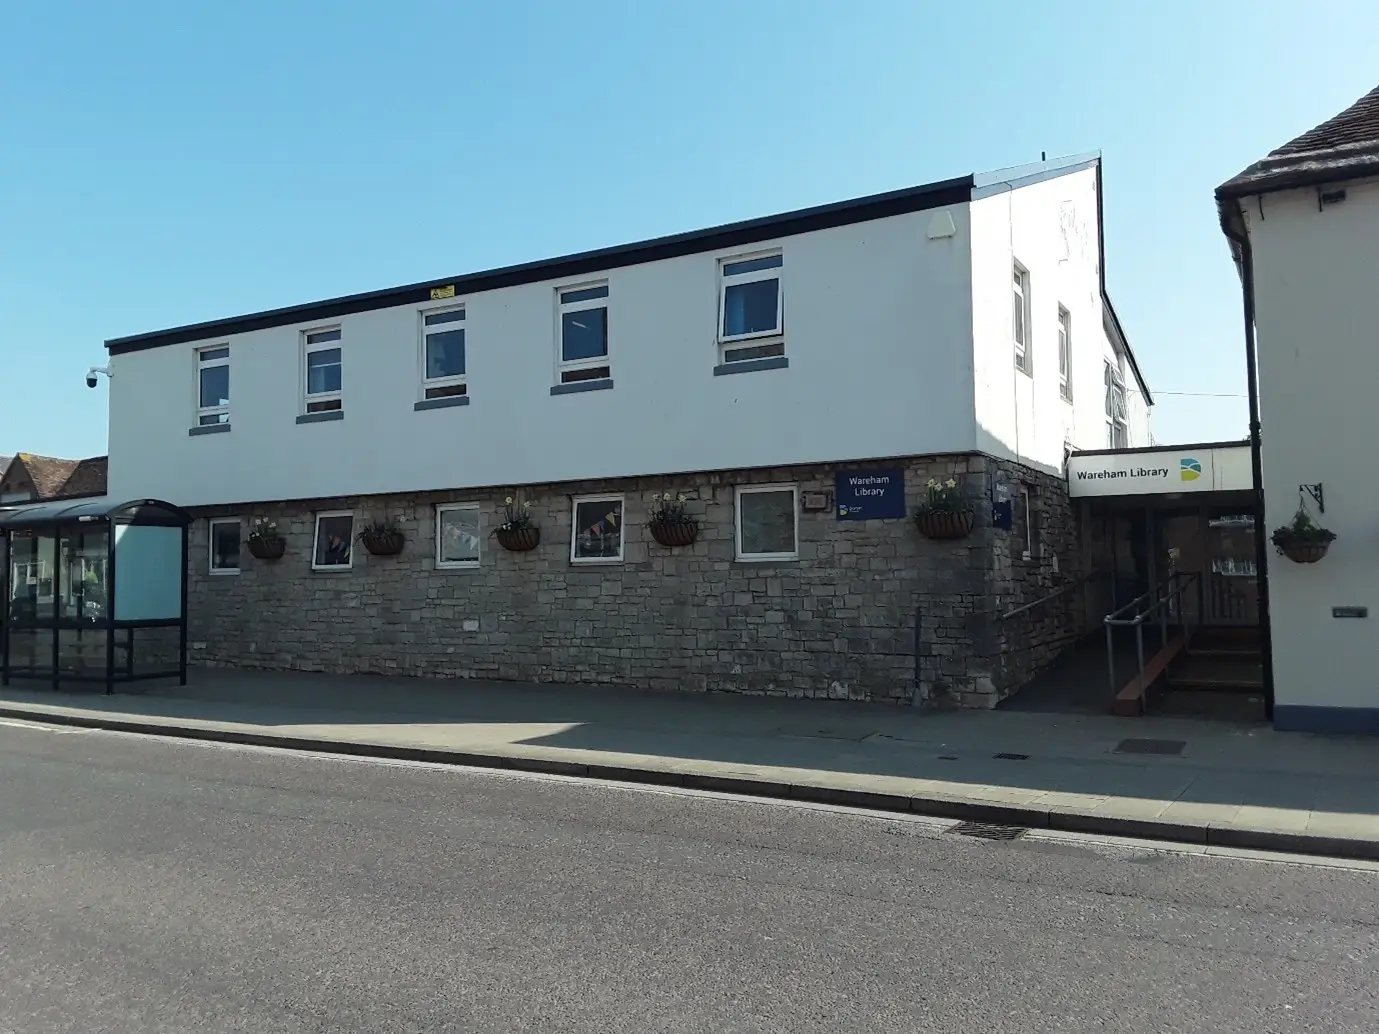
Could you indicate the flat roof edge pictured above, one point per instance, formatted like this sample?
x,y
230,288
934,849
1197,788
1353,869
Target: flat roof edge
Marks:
x,y
1243,443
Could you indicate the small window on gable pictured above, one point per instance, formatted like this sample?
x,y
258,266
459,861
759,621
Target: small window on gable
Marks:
x,y
442,358
751,308
1065,354
213,385
322,365
1117,419
1024,359
331,550
223,544
583,333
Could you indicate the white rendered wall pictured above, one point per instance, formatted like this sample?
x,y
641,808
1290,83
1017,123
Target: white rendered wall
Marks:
x,y
1316,275
1051,229
877,332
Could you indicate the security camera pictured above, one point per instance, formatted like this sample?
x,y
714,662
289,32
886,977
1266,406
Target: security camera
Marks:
x,y
91,374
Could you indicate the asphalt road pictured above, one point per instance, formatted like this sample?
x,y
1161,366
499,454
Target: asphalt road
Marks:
x,y
153,885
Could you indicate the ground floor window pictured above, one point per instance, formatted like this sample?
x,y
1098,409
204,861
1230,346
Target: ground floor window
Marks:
x,y
224,546
457,535
767,522
596,534
334,535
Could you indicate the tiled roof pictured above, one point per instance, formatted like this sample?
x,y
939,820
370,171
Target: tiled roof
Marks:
x,y
88,478
60,479
1341,148
1358,124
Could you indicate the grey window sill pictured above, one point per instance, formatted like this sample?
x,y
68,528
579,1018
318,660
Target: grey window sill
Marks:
x,y
577,386
321,418
209,429
441,403
776,362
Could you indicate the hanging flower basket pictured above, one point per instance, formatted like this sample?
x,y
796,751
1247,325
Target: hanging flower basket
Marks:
x,y
1304,552
945,524
670,523
518,540
1303,541
267,549
382,539
264,542
680,533
944,514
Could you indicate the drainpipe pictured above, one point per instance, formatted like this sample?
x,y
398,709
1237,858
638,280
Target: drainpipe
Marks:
x,y
1236,233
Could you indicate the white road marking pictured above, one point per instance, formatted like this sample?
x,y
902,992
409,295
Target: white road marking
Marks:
x,y
40,727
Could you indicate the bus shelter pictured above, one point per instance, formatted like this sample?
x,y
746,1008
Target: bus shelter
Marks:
x,y
94,591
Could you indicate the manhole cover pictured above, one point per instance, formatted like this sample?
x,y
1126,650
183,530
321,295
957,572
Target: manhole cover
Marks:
x,y
1167,748
988,831
1011,757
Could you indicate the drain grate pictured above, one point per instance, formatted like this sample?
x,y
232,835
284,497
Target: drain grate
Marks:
x,y
1164,748
1011,757
988,831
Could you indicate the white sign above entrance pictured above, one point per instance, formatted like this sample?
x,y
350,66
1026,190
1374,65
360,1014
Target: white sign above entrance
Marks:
x,y
1188,468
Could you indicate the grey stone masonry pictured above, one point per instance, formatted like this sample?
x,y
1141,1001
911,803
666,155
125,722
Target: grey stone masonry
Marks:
x,y
838,622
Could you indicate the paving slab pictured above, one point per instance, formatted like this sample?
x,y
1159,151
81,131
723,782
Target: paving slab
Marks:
x,y
1243,784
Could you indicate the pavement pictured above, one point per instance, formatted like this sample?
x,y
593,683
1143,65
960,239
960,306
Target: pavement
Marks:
x,y
1222,783
158,884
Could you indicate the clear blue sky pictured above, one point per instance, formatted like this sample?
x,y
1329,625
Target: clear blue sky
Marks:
x,y
165,163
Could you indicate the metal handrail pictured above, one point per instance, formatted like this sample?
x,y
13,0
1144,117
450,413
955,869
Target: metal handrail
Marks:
x,y
1047,597
1168,591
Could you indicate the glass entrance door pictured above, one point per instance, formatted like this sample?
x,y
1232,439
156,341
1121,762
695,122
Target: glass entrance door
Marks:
x,y
1232,580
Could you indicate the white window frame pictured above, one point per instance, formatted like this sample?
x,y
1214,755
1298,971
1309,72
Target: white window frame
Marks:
x,y
622,528
1065,353
742,490
576,366
316,540
1023,343
220,413
1028,513
1116,422
211,524
310,398
454,380
726,280
458,565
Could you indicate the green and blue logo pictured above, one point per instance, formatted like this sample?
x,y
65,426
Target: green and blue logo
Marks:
x,y
1189,469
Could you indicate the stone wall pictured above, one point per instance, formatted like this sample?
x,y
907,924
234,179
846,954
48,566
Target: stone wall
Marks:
x,y
1042,554
836,623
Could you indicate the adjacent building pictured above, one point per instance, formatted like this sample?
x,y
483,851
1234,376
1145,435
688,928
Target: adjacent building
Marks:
x,y
27,478
1303,223
798,379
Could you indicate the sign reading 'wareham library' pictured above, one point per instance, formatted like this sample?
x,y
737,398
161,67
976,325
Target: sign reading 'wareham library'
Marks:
x,y
1160,471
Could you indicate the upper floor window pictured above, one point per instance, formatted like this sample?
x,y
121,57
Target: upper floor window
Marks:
x,y
213,385
442,345
1117,421
1065,354
321,363
1024,361
751,307
583,333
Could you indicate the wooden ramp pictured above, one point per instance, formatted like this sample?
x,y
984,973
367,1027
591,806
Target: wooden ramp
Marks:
x,y
1130,701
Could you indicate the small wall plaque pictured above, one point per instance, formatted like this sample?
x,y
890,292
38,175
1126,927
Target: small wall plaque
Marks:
x,y
437,293
1350,612
814,502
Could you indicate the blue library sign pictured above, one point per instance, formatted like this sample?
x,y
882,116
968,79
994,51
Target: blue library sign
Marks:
x,y
870,495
